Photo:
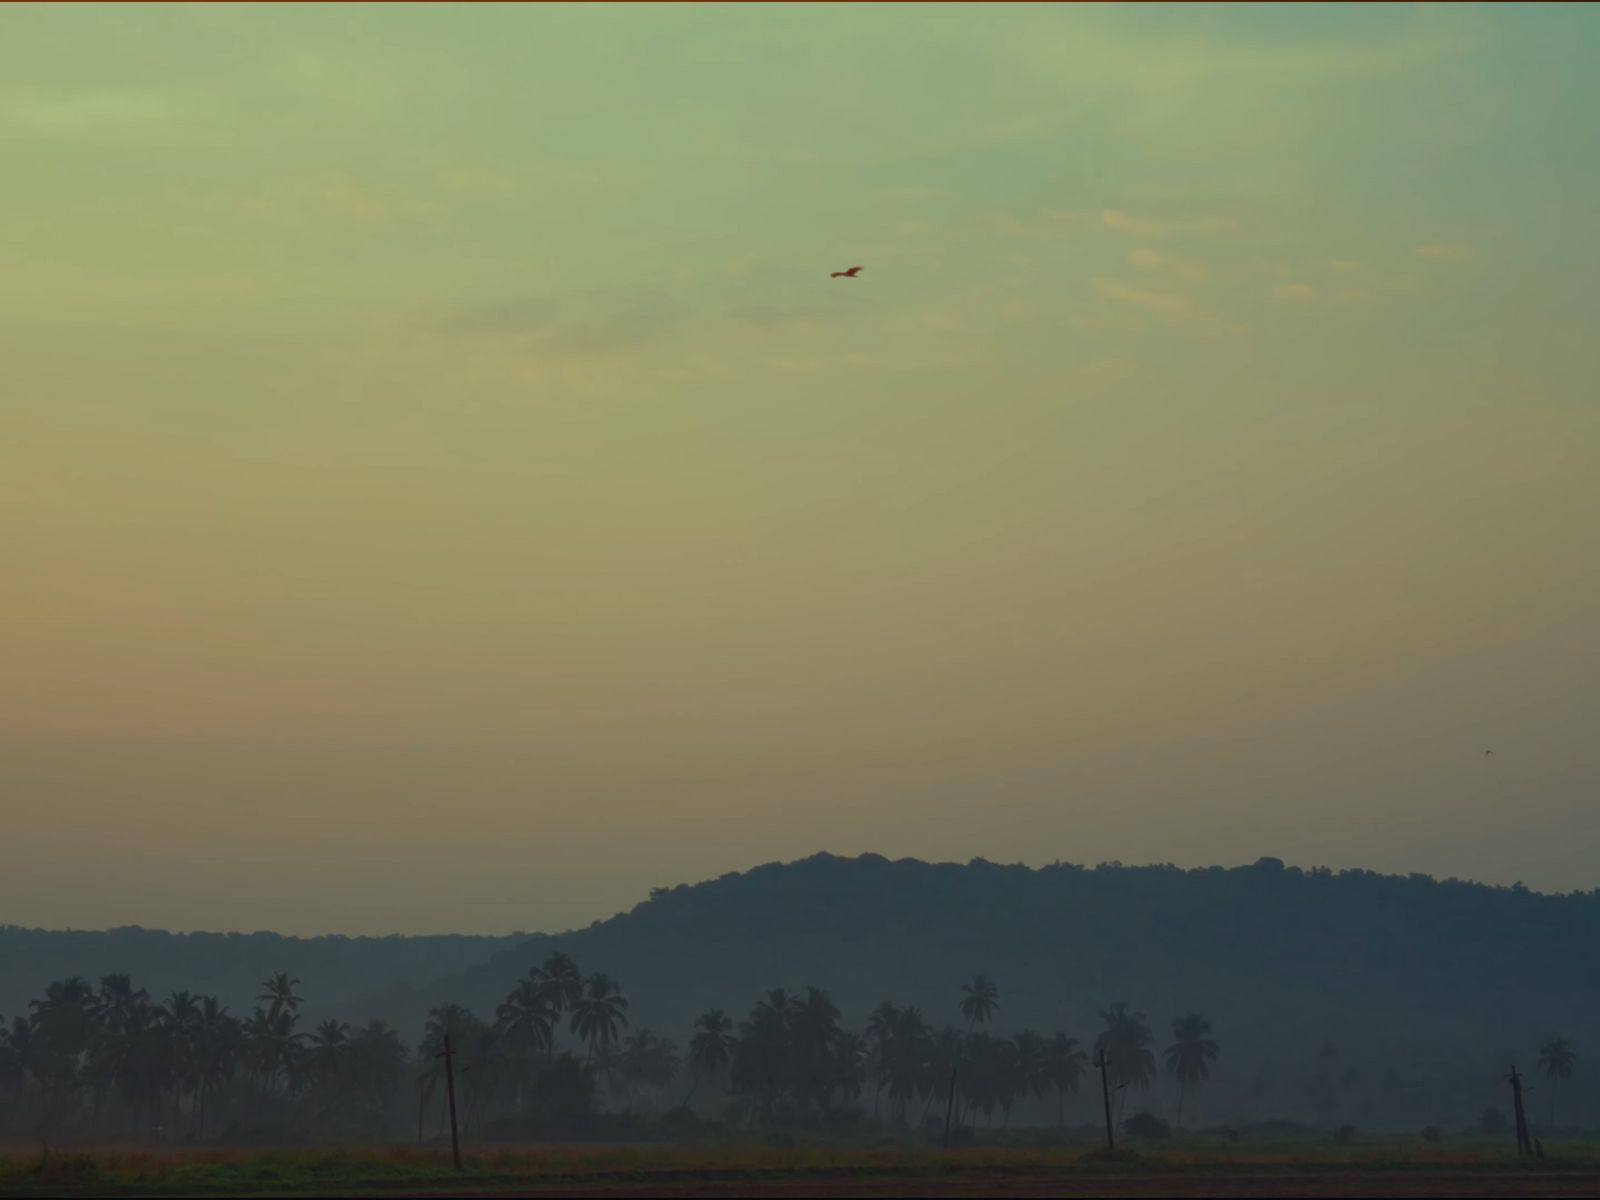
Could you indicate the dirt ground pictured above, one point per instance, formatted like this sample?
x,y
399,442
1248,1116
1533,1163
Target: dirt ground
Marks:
x,y
1325,1183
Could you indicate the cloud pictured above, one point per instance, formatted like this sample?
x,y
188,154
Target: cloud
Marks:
x,y
1043,222
1046,222
1123,222
914,195
477,181
331,200
1161,302
584,327
1181,268
1444,251
786,319
1297,293
520,314
87,111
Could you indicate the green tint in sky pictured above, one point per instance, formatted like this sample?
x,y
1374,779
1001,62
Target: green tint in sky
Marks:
x,y
441,487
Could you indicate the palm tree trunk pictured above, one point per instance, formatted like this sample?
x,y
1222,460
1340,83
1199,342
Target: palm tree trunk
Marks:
x,y
1061,1107
1181,1084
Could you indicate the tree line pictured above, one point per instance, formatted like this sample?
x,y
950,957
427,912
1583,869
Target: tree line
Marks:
x,y
111,1062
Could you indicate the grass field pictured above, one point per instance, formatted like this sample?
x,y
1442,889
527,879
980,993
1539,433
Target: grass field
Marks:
x,y
1296,1169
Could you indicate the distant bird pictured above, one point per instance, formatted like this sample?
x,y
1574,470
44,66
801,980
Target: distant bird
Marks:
x,y
850,274
1486,753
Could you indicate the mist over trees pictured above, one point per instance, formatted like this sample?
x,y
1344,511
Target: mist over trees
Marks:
x,y
834,992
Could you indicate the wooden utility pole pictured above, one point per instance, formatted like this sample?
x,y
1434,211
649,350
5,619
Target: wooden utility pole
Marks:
x,y
450,1090
1105,1093
1524,1139
950,1104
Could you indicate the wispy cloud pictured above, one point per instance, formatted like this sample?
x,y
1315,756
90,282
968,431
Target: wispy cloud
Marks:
x,y
582,327
789,320
85,111
1054,221
330,200
1125,222
478,181
1161,302
1297,293
1180,268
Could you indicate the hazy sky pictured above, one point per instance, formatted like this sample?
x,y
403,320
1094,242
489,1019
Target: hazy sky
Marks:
x,y
442,489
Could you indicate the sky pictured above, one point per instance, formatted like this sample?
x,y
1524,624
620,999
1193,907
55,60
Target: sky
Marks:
x,y
441,488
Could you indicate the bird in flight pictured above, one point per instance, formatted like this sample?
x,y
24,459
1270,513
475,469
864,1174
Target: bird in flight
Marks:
x,y
850,274
1486,753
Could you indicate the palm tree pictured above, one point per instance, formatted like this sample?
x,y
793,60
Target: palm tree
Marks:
x,y
814,1042
711,1048
648,1065
1126,1045
904,1058
378,1062
62,1035
880,1027
563,988
1191,1053
1065,1065
179,1017
979,1000
328,1060
762,1057
466,1033
219,1040
115,1000
1030,1065
279,994
1556,1059
526,1021
598,1016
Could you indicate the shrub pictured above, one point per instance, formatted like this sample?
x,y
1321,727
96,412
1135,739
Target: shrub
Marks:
x,y
1146,1125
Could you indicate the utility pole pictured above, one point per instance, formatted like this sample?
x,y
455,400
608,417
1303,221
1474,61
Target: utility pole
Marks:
x,y
1105,1093
450,1089
1524,1140
950,1104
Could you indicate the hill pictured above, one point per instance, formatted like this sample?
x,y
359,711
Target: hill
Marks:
x,y
1404,995
1393,1000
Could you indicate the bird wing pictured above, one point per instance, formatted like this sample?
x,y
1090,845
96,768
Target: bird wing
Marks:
x,y
852,270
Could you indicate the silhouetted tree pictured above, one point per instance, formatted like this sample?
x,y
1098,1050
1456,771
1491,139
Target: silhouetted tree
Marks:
x,y
1191,1053
1126,1043
278,992
1065,1066
711,1048
598,1015
1555,1060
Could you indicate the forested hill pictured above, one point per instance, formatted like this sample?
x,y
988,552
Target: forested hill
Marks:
x,y
230,966
1413,977
1414,994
